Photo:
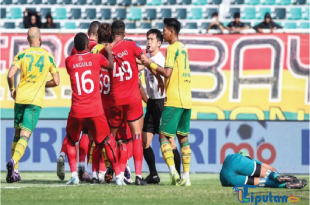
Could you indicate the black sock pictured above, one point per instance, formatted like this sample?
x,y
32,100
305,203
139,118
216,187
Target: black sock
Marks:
x,y
177,160
150,160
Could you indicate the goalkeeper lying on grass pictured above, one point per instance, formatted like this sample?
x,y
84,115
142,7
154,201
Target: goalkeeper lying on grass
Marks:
x,y
240,168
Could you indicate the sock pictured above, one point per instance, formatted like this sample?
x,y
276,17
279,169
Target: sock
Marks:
x,y
74,174
90,158
62,154
64,145
186,155
130,149
95,175
177,160
71,153
89,168
83,147
90,147
20,148
150,160
272,175
185,175
110,150
96,158
105,158
122,173
102,167
122,157
139,176
266,182
13,146
167,153
138,153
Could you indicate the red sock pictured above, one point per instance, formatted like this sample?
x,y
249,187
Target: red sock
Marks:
x,y
138,153
110,151
71,155
88,150
83,147
122,157
130,149
102,167
96,158
64,145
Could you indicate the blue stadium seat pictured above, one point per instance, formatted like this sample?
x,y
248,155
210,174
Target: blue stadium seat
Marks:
x,y
181,13
217,2
79,2
105,13
191,25
60,13
164,13
51,2
21,1
252,2
69,25
139,2
84,25
204,25
37,1
262,11
6,2
300,2
145,25
237,2
9,25
123,2
195,13
67,2
90,13
248,13
21,25
280,13
199,2
109,2
210,11
14,13
57,24
306,14
283,2
149,14
45,11
232,11
159,25
268,2
94,2
304,25
295,13
184,2
169,2
290,25
135,13
120,14
75,13
3,13
130,25
31,9
154,2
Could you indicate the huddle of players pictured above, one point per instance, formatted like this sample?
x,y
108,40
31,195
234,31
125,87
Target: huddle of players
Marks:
x,y
107,105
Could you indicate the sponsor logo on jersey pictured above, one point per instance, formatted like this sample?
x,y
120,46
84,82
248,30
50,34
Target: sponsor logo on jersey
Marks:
x,y
80,58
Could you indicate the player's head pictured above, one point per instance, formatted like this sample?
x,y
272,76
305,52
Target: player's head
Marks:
x,y
34,36
171,29
104,33
237,17
93,29
154,40
81,42
118,28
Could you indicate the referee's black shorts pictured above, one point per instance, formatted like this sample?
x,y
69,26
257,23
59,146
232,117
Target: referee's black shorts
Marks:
x,y
154,108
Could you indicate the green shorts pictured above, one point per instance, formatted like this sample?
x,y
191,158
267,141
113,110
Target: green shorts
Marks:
x,y
26,116
175,121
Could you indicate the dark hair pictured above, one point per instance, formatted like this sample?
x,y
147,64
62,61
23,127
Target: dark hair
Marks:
x,y
237,15
215,14
118,28
104,33
48,15
173,23
80,41
93,28
157,32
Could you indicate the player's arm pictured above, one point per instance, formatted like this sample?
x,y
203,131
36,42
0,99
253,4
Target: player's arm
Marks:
x,y
108,54
156,69
10,78
269,167
55,74
142,91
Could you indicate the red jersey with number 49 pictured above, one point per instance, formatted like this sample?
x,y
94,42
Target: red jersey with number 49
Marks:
x,y
84,71
125,79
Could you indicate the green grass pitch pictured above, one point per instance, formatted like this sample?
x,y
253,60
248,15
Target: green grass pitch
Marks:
x,y
45,188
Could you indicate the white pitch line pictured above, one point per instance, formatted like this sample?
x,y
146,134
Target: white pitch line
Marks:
x,y
49,186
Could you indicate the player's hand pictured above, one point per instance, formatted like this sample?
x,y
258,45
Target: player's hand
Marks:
x,y
161,87
108,48
147,62
13,94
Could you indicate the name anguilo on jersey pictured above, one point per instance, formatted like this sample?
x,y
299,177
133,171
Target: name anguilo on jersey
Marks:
x,y
82,64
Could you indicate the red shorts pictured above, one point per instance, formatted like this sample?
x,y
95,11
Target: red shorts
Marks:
x,y
97,126
130,112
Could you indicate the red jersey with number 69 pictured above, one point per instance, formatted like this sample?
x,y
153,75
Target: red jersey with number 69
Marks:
x,y
125,78
84,70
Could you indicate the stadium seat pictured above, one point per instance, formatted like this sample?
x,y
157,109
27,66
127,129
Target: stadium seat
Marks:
x,y
262,11
130,25
164,13
6,2
268,2
67,2
75,13
119,14
195,13
191,25
184,2
159,25
248,13
247,23
306,14
232,11
139,2
60,13
94,2
57,24
84,25
210,11
109,2
217,2
204,25
45,11
37,1
105,13
50,1
154,2
14,13
290,25
69,25
123,2
252,2
149,14
181,13
9,25
79,2
135,13
280,13
21,25
295,13
3,13
21,1
284,2
237,2
30,9
145,25
90,13
304,25
300,2
169,2
199,2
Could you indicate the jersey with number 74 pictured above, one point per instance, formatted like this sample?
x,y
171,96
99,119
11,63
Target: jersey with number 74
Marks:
x,y
84,70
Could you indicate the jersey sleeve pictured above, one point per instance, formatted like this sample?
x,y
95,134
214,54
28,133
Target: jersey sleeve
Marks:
x,y
17,59
103,61
170,57
258,162
137,50
53,67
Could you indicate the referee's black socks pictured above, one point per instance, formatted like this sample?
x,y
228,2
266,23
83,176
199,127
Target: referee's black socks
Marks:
x,y
177,160
150,160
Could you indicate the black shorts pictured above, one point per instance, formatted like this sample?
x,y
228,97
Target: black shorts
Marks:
x,y
154,108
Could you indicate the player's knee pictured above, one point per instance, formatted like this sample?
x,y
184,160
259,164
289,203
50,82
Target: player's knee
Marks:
x,y
249,181
258,170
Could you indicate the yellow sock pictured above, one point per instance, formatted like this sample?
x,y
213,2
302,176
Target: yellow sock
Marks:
x,y
106,161
90,161
13,146
186,155
167,152
20,148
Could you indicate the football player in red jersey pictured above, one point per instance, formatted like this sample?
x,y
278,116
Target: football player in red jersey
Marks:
x,y
86,109
84,143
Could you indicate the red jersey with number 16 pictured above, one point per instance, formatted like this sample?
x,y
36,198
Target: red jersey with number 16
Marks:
x,y
84,71
125,78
